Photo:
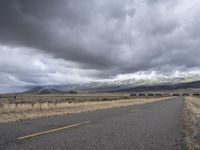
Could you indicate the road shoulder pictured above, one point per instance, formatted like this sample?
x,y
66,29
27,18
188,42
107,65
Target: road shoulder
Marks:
x,y
191,124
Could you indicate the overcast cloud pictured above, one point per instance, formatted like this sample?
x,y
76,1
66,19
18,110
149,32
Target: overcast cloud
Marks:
x,y
68,41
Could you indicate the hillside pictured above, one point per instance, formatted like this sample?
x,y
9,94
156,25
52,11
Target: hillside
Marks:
x,y
48,90
189,85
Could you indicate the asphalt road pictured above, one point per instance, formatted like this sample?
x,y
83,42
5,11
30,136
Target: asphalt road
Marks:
x,y
153,126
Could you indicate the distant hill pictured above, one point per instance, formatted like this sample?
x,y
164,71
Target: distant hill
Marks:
x,y
47,90
42,90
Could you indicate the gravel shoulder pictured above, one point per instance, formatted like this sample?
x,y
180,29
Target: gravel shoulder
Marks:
x,y
191,126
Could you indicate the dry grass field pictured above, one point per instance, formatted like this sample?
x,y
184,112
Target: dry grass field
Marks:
x,y
192,123
34,106
56,98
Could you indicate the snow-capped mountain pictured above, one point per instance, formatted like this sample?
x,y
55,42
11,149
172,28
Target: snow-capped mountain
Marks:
x,y
110,85
154,80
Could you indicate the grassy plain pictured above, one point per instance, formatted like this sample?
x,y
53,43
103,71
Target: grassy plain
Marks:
x,y
15,108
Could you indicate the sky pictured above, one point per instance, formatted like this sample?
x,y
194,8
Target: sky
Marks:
x,y
45,42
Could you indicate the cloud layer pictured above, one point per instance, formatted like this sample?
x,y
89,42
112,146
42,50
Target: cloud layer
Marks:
x,y
67,41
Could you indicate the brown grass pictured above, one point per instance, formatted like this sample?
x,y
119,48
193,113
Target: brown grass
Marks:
x,y
192,123
15,112
55,98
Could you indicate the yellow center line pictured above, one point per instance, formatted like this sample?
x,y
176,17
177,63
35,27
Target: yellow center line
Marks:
x,y
52,130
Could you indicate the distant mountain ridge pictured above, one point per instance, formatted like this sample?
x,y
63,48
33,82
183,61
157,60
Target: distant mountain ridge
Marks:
x,y
43,90
71,89
191,85
47,90
143,84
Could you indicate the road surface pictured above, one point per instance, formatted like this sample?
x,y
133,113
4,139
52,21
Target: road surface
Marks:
x,y
152,126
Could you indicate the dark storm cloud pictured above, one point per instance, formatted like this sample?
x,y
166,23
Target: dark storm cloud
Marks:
x,y
60,28
67,29
110,36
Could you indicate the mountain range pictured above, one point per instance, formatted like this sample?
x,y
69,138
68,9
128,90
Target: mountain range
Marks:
x,y
114,87
155,83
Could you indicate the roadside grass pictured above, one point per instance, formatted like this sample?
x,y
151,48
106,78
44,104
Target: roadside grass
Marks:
x,y
18,111
56,98
192,123
75,98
